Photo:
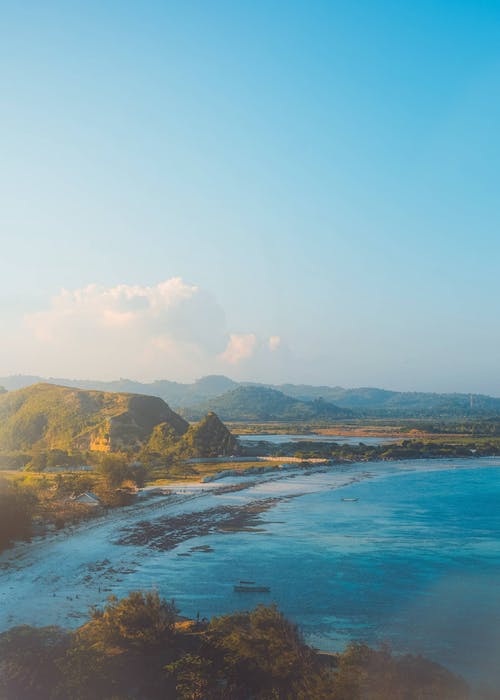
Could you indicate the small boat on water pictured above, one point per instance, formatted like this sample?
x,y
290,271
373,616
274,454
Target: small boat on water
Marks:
x,y
350,500
250,588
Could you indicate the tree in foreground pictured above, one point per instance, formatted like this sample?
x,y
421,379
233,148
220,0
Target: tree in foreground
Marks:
x,y
260,652
29,662
16,512
134,649
375,674
141,621
114,470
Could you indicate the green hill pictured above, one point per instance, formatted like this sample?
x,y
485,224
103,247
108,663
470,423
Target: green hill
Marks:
x,y
46,416
258,403
209,438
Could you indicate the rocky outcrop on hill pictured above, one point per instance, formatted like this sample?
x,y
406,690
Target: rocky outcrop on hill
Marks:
x,y
209,438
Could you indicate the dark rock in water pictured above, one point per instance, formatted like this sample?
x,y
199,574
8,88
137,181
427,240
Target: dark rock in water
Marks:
x,y
202,548
246,588
167,532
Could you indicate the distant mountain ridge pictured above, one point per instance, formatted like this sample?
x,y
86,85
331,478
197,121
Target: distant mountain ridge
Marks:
x,y
373,399
174,393
364,401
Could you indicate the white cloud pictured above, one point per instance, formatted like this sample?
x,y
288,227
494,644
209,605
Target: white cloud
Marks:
x,y
274,342
240,347
170,330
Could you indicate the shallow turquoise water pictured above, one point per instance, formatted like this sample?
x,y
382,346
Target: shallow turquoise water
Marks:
x,y
415,562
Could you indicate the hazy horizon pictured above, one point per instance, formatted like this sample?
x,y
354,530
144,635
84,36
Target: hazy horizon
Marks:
x,y
284,193
112,379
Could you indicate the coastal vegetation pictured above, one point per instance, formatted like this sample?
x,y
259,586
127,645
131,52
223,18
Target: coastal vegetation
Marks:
x,y
138,648
53,490
33,503
17,506
475,427
361,452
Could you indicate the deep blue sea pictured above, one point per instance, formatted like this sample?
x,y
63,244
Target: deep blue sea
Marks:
x,y
414,562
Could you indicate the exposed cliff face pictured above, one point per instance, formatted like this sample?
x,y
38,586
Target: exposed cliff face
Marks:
x,y
134,427
55,417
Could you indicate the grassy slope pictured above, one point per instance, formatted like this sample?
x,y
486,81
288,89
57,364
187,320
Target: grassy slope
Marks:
x,y
50,416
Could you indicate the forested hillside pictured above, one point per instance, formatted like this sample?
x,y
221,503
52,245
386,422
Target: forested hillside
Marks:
x,y
257,403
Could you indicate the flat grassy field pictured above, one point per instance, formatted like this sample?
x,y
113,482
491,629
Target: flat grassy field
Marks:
x,y
198,471
21,475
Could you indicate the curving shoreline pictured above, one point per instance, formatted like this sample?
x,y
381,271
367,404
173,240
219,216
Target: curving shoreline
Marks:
x,y
54,580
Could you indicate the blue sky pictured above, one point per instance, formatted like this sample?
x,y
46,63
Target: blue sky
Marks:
x,y
322,176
